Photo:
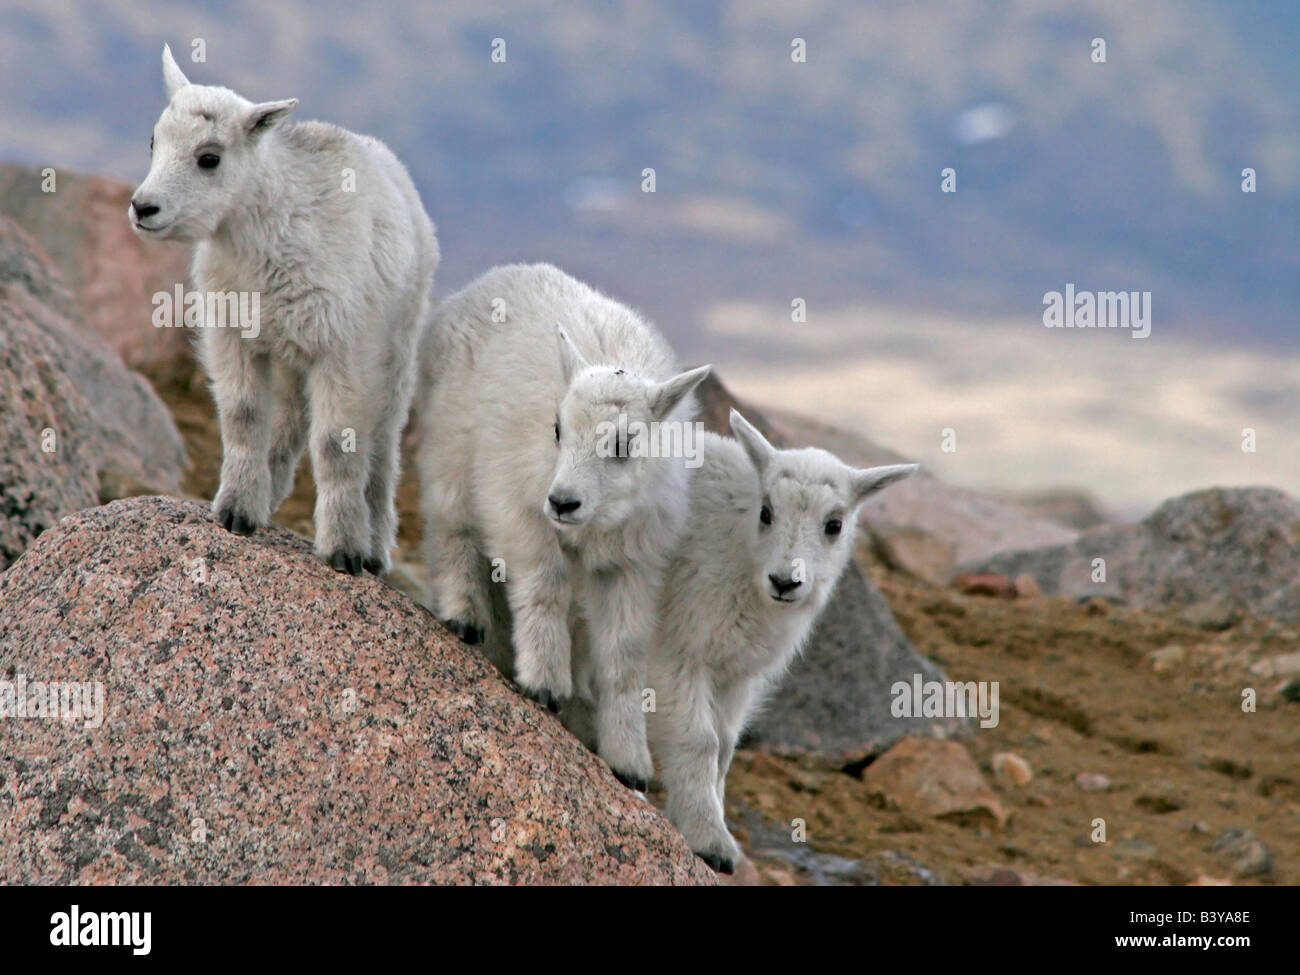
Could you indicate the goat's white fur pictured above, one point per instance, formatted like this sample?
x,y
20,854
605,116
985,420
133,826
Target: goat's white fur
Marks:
x,y
498,375
327,226
724,640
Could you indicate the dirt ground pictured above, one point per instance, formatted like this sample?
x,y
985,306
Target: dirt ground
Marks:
x,y
1080,693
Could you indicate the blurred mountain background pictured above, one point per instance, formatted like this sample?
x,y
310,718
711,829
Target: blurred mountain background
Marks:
x,y
778,180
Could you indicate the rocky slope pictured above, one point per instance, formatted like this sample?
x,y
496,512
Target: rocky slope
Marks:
x,y
1214,553
74,422
111,272
267,720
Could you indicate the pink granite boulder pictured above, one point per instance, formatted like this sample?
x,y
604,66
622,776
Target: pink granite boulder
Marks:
x,y
267,720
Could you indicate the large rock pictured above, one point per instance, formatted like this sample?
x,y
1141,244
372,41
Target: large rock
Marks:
x,y
114,275
268,720
1231,548
71,415
835,701
968,523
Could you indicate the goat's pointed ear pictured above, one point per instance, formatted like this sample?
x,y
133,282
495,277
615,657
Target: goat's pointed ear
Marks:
x,y
571,360
867,482
173,77
266,116
670,392
755,444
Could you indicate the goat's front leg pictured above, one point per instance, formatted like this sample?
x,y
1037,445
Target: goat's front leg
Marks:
x,y
241,385
687,746
341,420
621,620
540,595
732,704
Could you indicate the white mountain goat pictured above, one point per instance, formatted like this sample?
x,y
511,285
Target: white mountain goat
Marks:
x,y
537,460
326,228
770,532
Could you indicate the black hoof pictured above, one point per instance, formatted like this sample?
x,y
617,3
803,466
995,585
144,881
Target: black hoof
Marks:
x,y
374,566
547,700
468,632
718,864
236,523
633,782
342,561
242,526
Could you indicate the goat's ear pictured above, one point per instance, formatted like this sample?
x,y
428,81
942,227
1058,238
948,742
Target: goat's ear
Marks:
x,y
665,397
755,444
867,482
571,360
173,77
266,116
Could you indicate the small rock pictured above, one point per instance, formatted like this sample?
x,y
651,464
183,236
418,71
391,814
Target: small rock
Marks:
x,y
1210,614
1092,782
1166,657
1243,852
1135,848
1027,587
1096,606
1205,880
985,584
1159,802
927,777
1012,768
1286,663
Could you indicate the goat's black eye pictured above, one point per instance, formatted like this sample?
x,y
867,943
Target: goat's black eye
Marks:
x,y
833,527
765,515
209,160
557,431
623,449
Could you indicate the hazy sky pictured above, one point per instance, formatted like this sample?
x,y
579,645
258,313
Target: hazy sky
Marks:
x,y
817,179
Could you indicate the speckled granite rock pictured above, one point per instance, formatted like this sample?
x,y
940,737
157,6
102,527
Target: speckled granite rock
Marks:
x,y
1231,548
835,701
112,273
69,409
268,720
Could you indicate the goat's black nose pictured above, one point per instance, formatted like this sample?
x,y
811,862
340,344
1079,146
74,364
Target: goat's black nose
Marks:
x,y
143,210
562,505
783,586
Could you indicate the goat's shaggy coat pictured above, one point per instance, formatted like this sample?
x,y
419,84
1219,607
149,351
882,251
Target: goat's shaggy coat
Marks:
x,y
512,471
769,534
327,227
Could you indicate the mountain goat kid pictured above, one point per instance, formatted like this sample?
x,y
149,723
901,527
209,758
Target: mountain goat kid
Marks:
x,y
770,532
537,458
325,229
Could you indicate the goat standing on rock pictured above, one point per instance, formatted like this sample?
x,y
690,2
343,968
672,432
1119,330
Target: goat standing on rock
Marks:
x,y
328,229
770,532
531,459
